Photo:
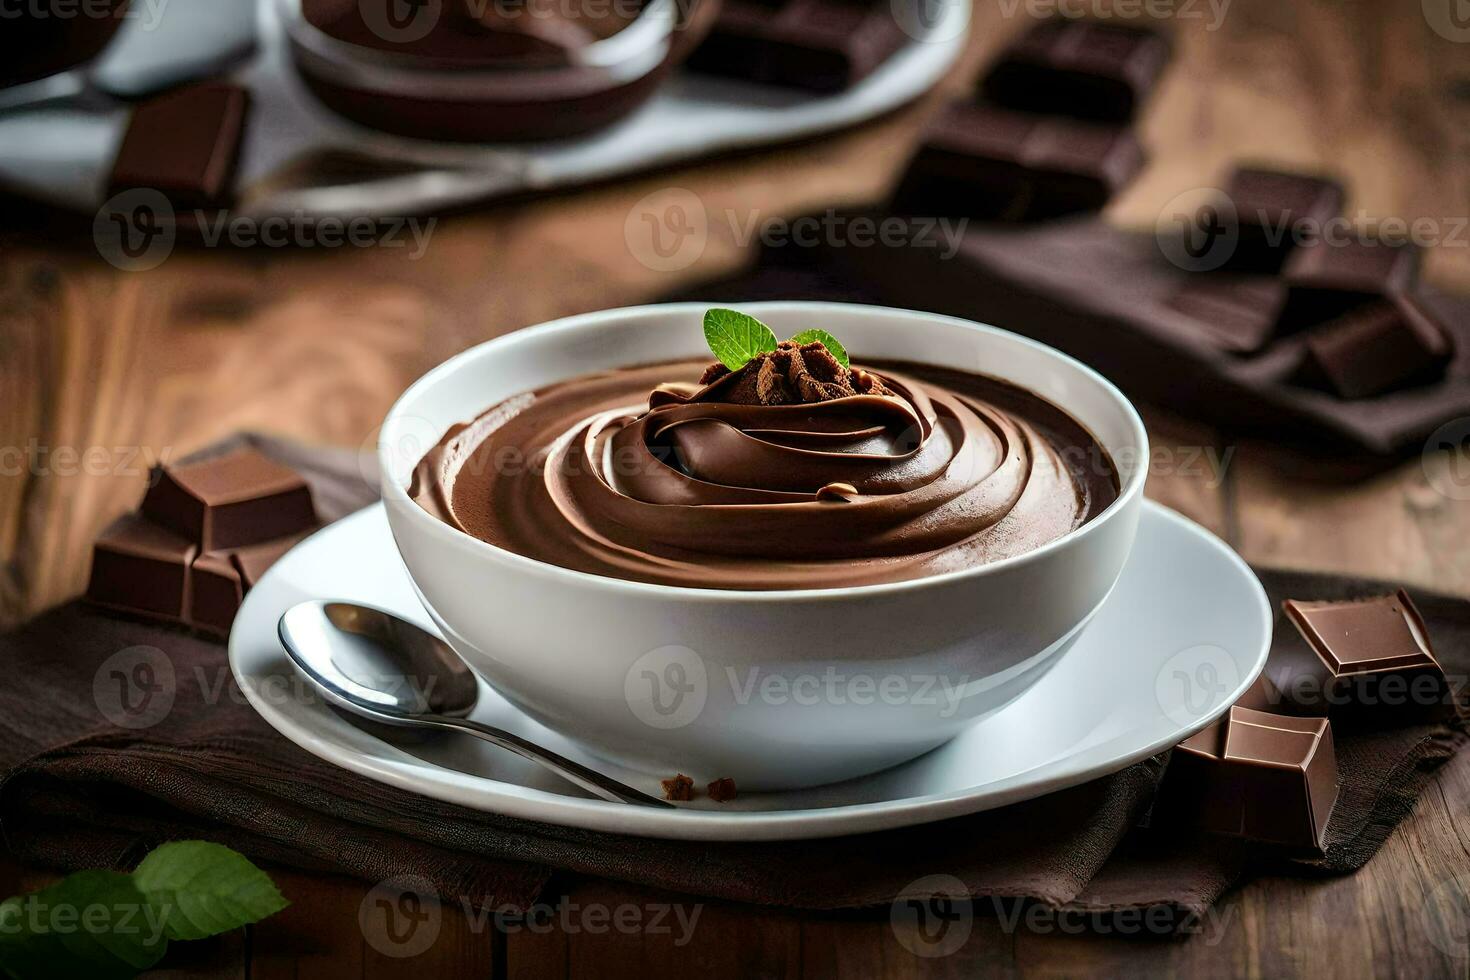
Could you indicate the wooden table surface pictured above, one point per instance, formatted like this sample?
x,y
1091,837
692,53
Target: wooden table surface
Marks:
x,y
315,344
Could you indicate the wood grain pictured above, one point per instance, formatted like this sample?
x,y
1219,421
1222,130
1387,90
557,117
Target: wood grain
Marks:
x,y
314,344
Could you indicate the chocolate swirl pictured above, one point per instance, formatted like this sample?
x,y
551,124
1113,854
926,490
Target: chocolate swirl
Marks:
x,y
697,490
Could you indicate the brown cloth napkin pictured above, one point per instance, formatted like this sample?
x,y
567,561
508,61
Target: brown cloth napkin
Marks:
x,y
83,792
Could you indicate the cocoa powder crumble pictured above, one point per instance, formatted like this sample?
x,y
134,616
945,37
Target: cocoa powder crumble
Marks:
x,y
792,374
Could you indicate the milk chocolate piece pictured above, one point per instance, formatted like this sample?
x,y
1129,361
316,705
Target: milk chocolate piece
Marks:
x,y
1326,280
239,499
1237,310
982,162
1272,210
1374,663
139,567
819,45
1287,770
185,144
1079,68
1377,348
1255,774
215,592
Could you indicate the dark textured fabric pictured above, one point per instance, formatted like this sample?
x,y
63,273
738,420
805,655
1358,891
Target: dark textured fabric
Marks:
x,y
81,791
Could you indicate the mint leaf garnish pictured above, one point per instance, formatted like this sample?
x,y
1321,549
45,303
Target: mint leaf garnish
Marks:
x,y
826,340
90,924
107,924
202,889
734,338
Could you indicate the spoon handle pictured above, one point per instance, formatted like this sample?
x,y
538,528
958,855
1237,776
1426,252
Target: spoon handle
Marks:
x,y
594,782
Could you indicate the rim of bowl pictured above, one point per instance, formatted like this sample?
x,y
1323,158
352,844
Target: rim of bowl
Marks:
x,y
1130,490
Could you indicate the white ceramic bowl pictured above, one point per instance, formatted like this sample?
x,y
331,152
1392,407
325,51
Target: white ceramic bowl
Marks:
x,y
775,689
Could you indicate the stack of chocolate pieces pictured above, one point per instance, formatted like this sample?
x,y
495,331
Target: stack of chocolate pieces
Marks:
x,y
816,45
1050,132
204,535
1268,272
1267,770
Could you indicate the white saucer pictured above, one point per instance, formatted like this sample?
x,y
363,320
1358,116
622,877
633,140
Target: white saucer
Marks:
x,y
1184,633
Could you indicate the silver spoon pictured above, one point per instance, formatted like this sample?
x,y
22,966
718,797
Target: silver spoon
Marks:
x,y
376,665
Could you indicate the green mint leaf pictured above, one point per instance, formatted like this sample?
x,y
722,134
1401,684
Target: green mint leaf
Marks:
x,y
199,889
90,924
826,340
735,338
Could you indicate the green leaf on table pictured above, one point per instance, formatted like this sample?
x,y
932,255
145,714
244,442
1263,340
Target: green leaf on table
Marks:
x,y
199,889
734,338
826,340
93,924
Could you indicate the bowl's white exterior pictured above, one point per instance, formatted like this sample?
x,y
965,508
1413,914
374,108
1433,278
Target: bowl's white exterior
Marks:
x,y
775,689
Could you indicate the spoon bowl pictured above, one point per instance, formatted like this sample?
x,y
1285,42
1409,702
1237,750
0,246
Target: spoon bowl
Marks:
x,y
388,670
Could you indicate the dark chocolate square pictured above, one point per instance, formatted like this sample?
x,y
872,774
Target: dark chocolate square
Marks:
x,y
230,501
1377,348
1327,279
185,144
1273,211
1238,311
1079,68
982,162
215,592
140,567
818,45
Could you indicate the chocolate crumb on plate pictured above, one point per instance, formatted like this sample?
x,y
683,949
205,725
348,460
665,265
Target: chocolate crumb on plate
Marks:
x,y
722,790
679,789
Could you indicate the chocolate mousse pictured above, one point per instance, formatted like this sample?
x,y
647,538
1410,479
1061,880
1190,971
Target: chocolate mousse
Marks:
x,y
790,471
472,33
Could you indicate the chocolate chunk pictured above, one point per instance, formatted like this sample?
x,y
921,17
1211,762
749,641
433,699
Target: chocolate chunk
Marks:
x,y
1238,311
1326,280
185,144
820,45
982,162
1255,774
251,511
680,788
252,561
230,501
1377,348
215,592
1272,209
1373,663
722,790
139,567
1079,68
